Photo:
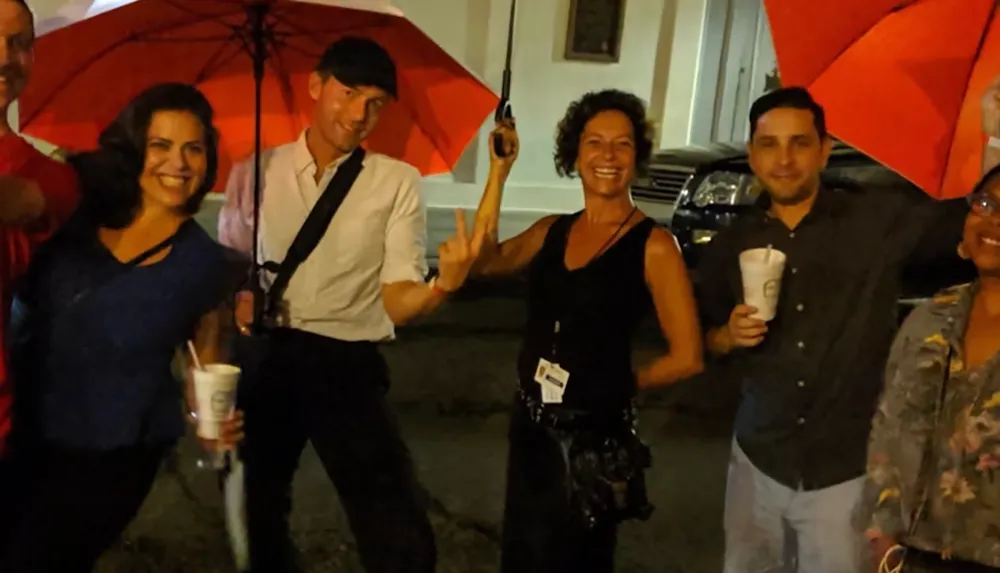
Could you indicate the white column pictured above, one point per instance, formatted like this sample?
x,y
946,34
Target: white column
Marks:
x,y
677,62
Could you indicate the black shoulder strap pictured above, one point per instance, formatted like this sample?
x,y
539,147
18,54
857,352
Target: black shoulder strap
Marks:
x,y
123,268
117,271
149,253
314,226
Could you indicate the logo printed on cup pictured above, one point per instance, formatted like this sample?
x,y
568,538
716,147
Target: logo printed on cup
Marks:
x,y
771,288
215,394
222,402
761,271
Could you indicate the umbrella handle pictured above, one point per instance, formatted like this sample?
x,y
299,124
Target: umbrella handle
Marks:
x,y
503,113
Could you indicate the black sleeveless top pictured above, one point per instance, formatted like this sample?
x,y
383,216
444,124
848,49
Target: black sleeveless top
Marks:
x,y
597,309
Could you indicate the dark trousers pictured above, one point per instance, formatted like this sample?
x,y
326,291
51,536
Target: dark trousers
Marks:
x,y
332,393
76,504
540,534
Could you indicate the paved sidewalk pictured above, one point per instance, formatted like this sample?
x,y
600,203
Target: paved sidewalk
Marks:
x,y
461,462
452,379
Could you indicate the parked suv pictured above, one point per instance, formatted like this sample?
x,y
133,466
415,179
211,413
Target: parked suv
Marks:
x,y
696,191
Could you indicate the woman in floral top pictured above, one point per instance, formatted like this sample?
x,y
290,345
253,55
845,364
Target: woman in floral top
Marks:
x,y
934,456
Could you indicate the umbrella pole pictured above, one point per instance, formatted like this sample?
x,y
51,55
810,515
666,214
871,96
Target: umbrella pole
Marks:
x,y
503,108
232,477
258,54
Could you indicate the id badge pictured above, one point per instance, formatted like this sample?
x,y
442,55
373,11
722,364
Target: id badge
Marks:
x,y
553,379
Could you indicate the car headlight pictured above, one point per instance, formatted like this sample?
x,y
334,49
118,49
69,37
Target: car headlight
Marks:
x,y
725,188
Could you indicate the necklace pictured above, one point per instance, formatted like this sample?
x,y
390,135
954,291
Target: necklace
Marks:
x,y
613,236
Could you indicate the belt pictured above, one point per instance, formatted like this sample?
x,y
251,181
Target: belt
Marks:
x,y
559,417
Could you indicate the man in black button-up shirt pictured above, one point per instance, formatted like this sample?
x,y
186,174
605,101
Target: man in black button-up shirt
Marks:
x,y
811,376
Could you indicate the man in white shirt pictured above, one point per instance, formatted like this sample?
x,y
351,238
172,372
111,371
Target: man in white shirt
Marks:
x,y
323,379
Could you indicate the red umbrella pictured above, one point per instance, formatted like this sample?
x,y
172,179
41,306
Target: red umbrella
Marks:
x,y
90,68
251,58
900,80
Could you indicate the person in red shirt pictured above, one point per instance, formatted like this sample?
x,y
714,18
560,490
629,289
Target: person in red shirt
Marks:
x,y
37,193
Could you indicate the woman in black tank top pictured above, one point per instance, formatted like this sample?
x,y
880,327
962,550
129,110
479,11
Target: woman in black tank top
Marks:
x,y
591,277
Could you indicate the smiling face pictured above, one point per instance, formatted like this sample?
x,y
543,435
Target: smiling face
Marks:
x,y
787,154
606,162
981,238
345,115
176,160
16,38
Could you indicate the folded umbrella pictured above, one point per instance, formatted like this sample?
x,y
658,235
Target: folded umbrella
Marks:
x,y
900,80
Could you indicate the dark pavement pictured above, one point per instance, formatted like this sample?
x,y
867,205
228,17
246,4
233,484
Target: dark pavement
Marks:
x,y
452,382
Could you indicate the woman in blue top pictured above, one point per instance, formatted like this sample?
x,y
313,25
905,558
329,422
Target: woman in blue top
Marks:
x,y
109,301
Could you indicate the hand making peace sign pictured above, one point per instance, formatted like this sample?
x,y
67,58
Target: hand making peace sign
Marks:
x,y
458,254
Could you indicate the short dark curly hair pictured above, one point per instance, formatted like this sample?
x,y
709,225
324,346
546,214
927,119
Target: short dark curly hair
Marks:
x,y
109,175
581,111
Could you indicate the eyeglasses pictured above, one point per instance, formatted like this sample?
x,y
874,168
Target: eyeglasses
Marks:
x,y
984,204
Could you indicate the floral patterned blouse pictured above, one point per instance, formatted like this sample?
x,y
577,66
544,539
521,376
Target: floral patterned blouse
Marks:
x,y
934,453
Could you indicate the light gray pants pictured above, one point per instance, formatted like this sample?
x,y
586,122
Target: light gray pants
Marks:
x,y
771,528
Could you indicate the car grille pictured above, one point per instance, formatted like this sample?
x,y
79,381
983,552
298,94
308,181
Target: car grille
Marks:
x,y
662,185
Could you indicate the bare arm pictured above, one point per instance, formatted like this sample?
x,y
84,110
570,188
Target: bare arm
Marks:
x,y
460,255
676,311
407,300
513,255
488,212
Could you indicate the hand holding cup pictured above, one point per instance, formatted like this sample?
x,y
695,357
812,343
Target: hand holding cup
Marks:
x,y
761,270
230,433
745,331
213,397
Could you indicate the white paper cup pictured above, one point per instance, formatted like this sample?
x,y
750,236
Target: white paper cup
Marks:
x,y
762,273
215,395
